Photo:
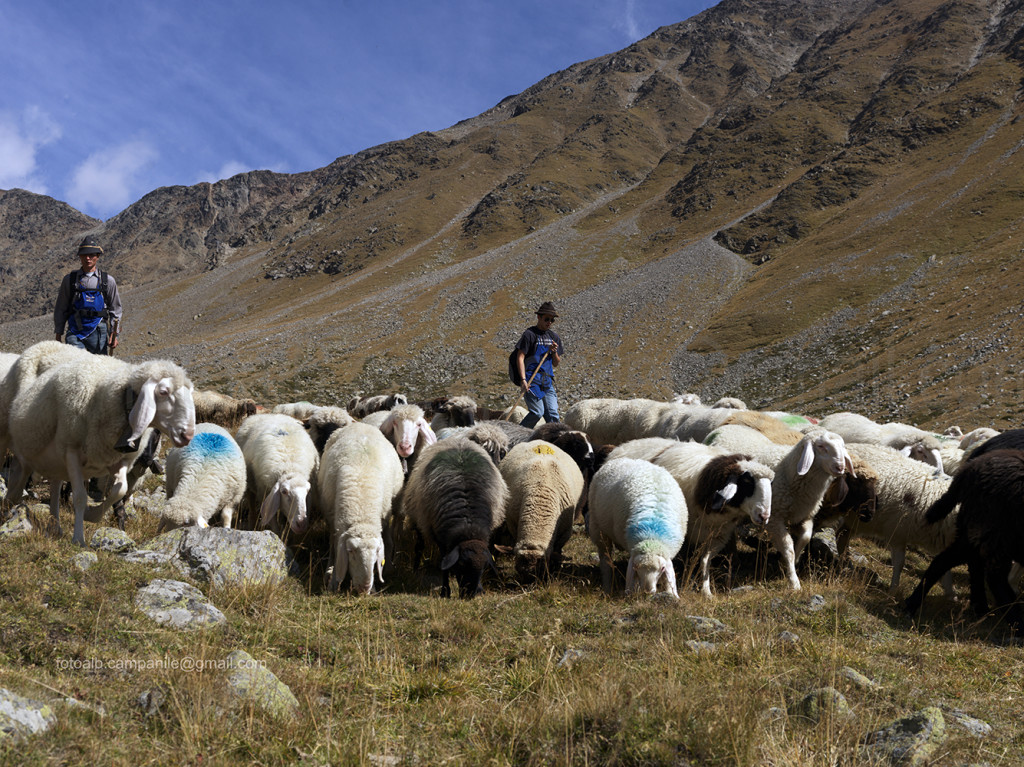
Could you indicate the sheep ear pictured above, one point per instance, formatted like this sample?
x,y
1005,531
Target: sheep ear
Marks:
x,y
341,566
905,451
841,489
724,495
426,431
143,411
848,463
806,458
669,573
271,505
380,561
630,576
450,559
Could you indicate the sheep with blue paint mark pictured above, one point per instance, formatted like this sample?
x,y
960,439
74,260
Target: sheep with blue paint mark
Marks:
x,y
204,478
638,507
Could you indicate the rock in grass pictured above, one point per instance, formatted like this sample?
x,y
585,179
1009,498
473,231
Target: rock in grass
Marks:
x,y
975,727
17,525
250,680
820,704
178,605
706,626
83,560
22,716
858,679
111,539
226,557
702,648
908,742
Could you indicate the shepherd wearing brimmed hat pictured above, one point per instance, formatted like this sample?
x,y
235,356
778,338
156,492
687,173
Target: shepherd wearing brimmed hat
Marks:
x,y
88,304
540,351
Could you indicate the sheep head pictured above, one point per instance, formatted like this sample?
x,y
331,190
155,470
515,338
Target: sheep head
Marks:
x,y
646,570
467,562
163,400
827,450
359,558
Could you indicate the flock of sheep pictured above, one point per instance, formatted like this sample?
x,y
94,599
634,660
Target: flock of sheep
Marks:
x,y
646,477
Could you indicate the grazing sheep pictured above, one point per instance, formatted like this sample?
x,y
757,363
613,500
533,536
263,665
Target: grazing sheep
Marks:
x,y
453,411
853,427
989,538
904,491
85,418
282,463
297,410
769,425
545,486
974,438
360,407
638,507
455,496
409,432
214,407
1011,439
205,477
721,489
323,422
359,482
614,421
803,473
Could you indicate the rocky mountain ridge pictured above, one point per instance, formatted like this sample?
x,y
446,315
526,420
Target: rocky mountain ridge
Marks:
x,y
810,205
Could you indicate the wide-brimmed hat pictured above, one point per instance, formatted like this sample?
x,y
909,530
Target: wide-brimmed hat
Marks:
x,y
547,308
90,247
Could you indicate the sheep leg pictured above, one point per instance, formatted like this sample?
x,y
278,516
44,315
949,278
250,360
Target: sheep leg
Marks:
x,y
711,549
18,480
225,514
806,529
607,569
998,575
898,557
78,494
783,543
958,553
55,504
976,571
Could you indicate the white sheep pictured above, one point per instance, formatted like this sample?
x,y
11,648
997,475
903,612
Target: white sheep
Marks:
x,y
904,491
721,489
614,421
920,444
803,474
637,506
545,485
298,410
409,432
359,406
203,478
282,463
85,418
359,482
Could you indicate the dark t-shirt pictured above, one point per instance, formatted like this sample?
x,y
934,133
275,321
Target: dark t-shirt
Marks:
x,y
533,343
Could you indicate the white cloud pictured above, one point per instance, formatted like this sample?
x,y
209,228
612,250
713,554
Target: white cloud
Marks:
x,y
109,180
21,138
227,170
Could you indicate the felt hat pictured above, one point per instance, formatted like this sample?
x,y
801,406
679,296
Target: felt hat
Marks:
x,y
547,308
90,247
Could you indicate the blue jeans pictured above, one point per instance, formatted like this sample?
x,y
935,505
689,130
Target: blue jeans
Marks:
x,y
95,342
545,406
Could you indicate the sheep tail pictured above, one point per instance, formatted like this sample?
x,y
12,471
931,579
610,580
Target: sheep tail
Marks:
x,y
943,507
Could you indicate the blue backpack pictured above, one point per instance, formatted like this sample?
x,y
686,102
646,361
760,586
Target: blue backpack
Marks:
x,y
88,305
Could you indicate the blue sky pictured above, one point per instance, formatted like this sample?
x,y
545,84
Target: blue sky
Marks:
x,y
104,101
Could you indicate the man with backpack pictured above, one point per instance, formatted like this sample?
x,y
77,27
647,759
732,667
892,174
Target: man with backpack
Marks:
x,y
88,304
539,349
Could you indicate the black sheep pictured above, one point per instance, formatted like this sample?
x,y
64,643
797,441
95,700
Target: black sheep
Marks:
x,y
989,531
456,498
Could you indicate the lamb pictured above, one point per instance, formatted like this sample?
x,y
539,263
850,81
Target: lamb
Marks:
x,y
637,506
281,464
85,418
455,497
360,481
989,531
214,407
721,489
409,432
803,473
545,486
205,477
359,407
323,422
453,411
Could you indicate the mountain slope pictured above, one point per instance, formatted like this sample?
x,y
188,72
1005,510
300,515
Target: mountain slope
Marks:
x,y
810,205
